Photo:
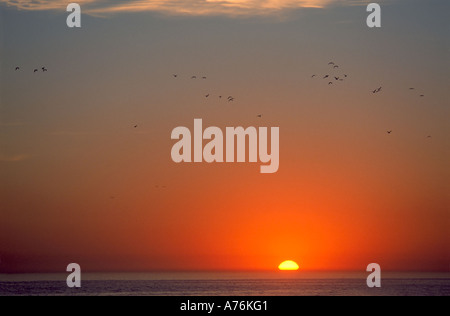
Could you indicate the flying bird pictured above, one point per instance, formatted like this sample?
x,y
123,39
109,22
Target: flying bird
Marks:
x,y
422,95
336,66
207,96
194,77
337,78
260,116
313,76
377,90
330,83
135,126
389,132
326,76
331,63
17,68
44,69
35,70
175,76
203,77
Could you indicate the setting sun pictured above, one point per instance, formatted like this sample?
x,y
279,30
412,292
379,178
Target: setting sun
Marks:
x,y
288,265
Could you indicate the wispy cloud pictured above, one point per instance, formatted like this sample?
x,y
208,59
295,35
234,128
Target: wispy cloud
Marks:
x,y
13,158
12,124
181,7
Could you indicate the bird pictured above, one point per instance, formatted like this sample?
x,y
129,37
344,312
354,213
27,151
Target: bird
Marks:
x,y
326,76
313,76
337,78
331,63
336,66
330,83
345,76
35,70
411,88
207,96
377,90
259,115
389,132
135,126
220,97
203,77
230,99
175,76
194,77
422,95
17,68
44,69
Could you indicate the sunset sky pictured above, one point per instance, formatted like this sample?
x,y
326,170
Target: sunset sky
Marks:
x,y
78,183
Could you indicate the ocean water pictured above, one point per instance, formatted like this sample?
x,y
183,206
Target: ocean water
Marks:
x,y
226,284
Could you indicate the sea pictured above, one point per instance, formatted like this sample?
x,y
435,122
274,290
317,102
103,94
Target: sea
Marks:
x,y
241,284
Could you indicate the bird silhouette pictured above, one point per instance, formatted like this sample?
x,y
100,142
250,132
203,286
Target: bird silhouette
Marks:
x,y
203,77
326,76
422,95
35,70
194,77
377,90
331,63
389,132
17,68
330,83
175,76
337,78
207,96
313,76
336,66
259,115
44,69
135,126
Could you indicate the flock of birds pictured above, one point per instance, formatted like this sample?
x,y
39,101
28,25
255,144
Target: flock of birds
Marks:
x,y
35,70
229,98
337,78
342,77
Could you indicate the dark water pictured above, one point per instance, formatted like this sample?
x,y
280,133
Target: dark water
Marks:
x,y
225,285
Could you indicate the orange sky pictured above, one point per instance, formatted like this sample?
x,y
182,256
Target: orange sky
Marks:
x,y
80,184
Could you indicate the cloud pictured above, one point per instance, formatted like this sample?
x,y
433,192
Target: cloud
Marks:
x,y
43,5
13,158
180,7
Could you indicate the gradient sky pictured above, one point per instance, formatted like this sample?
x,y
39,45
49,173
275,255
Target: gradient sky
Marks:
x,y
78,183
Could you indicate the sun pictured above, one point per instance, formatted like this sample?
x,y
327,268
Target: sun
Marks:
x,y
288,265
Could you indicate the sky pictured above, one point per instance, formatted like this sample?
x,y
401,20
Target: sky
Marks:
x,y
79,183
